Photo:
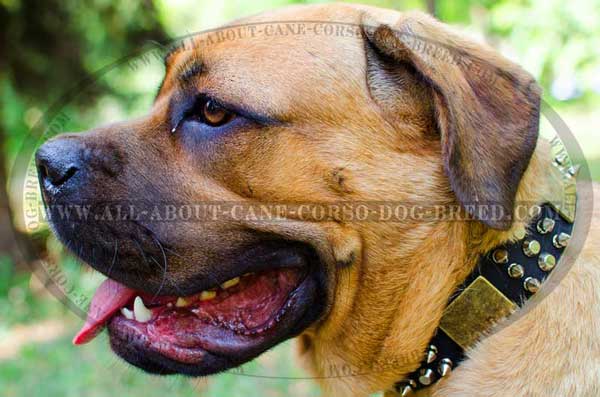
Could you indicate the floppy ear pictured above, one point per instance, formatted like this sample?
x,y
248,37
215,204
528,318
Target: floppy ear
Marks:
x,y
486,108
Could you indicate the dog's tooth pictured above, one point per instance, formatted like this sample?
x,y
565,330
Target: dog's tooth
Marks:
x,y
182,302
207,295
127,313
230,283
141,312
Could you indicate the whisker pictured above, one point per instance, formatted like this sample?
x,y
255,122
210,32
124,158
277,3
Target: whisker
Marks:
x,y
162,282
173,252
139,247
165,261
114,259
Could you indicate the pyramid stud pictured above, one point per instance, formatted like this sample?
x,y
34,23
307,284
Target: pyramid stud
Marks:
x,y
561,240
445,367
500,256
431,354
535,211
531,247
406,391
532,284
406,388
561,158
426,376
520,233
515,270
546,261
573,171
545,225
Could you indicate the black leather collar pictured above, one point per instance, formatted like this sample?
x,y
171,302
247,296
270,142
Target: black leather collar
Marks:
x,y
503,280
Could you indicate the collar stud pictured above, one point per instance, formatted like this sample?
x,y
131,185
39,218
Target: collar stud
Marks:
x,y
572,171
531,284
445,367
426,376
545,225
515,270
546,261
561,240
521,233
406,388
431,354
500,256
561,158
531,247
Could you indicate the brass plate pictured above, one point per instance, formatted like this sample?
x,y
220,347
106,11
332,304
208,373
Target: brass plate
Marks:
x,y
475,310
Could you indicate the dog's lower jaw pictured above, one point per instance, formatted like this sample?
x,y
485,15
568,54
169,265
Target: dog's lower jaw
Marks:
x,y
363,353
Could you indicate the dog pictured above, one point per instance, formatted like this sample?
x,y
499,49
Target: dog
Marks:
x,y
326,104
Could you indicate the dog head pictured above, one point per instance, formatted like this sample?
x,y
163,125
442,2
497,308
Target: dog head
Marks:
x,y
362,106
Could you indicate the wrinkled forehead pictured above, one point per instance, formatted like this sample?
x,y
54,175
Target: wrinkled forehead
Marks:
x,y
276,64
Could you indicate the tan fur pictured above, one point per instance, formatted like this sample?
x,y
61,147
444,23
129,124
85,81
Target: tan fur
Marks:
x,y
389,281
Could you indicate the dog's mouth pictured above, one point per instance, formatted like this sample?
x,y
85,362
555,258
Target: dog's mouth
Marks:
x,y
214,329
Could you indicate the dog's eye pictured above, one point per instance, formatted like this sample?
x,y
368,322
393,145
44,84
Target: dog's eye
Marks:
x,y
211,113
214,114
206,112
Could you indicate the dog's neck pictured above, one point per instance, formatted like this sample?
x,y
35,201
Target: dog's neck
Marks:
x,y
410,308
506,275
503,280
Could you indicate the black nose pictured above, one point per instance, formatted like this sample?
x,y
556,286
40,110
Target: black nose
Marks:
x,y
58,161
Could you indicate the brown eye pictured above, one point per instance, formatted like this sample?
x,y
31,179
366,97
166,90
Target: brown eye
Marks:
x,y
214,114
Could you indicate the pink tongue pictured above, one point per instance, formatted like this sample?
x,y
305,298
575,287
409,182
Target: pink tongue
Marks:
x,y
109,297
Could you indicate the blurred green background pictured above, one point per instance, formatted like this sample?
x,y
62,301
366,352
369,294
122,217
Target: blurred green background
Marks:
x,y
46,47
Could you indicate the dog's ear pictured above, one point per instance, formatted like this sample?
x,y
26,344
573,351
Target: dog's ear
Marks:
x,y
486,108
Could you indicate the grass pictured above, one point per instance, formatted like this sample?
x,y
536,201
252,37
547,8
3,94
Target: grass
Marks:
x,y
59,369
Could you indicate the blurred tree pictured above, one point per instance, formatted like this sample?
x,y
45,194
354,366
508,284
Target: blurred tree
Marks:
x,y
47,45
431,7
8,243
557,41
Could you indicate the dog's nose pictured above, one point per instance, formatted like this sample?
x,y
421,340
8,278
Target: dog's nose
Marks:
x,y
58,161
